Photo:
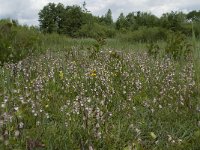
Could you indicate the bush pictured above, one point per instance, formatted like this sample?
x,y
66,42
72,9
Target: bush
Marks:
x,y
16,42
145,34
197,29
96,30
5,42
177,46
187,29
153,49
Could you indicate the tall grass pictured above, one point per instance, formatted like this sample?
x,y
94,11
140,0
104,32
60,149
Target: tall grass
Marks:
x,y
196,62
196,57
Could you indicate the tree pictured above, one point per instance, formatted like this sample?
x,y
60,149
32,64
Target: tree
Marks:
x,y
60,15
48,18
173,20
131,21
146,19
57,18
194,16
74,19
108,17
121,22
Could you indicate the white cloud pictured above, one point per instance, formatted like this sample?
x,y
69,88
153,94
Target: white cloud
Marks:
x,y
26,11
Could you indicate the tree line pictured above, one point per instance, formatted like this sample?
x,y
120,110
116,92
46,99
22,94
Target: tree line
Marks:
x,y
71,20
77,21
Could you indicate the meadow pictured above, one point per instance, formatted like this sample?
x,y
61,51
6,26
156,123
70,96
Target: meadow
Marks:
x,y
88,95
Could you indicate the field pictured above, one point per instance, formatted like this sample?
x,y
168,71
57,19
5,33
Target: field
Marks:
x,y
77,95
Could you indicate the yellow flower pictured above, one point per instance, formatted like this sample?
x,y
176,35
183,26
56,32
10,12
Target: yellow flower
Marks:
x,y
114,74
153,135
93,73
31,81
61,75
73,62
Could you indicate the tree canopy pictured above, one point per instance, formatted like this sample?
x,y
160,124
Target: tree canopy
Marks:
x,y
77,21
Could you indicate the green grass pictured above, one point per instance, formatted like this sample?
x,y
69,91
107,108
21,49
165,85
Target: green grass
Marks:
x,y
73,97
57,42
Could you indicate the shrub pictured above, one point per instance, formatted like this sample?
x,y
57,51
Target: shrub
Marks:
x,y
96,30
153,49
197,29
187,29
145,34
16,42
5,42
177,46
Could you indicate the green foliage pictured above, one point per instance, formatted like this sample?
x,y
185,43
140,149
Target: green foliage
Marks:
x,y
76,21
194,16
73,19
107,19
153,49
196,29
16,42
48,19
61,19
145,19
121,22
98,44
173,21
6,36
135,20
145,34
96,47
188,27
177,46
95,30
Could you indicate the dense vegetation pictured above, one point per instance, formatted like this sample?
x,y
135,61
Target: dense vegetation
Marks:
x,y
86,82
77,21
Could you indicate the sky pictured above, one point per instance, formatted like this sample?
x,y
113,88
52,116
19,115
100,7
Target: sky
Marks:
x,y
26,11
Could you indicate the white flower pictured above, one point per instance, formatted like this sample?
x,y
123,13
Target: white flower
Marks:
x,y
180,141
6,142
1,123
38,123
17,133
16,108
47,115
169,138
198,123
21,125
137,131
3,105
